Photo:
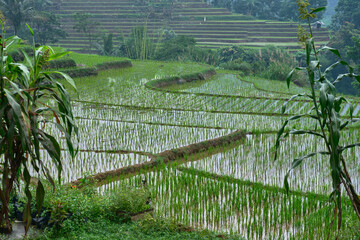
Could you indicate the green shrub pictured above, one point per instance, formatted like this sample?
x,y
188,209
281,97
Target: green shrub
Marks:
x,y
183,48
236,65
62,63
232,53
176,49
277,71
129,200
138,45
80,72
181,79
192,77
162,82
113,64
351,228
203,55
17,54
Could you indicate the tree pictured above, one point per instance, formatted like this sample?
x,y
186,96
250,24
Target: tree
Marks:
x,y
354,54
346,11
353,51
177,48
344,39
85,25
26,92
326,107
289,9
267,9
139,45
16,11
48,28
248,7
107,48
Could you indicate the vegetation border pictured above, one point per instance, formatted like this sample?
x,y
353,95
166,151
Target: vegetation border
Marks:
x,y
164,158
159,84
113,65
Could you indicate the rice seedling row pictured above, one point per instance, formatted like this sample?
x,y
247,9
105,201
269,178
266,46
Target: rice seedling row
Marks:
x,y
122,114
110,135
253,161
87,163
253,212
255,123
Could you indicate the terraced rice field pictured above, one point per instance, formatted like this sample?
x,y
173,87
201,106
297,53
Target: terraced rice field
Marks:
x,y
234,188
211,27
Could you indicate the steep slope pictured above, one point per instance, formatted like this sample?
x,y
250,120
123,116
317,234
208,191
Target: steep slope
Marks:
x,y
212,27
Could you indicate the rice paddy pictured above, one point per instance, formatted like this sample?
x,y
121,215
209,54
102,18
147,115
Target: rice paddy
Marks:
x,y
234,189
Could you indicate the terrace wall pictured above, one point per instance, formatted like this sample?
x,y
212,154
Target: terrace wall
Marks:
x,y
189,17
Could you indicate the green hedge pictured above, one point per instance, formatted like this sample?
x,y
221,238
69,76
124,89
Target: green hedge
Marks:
x,y
62,63
113,64
163,82
17,54
181,79
87,71
192,77
79,72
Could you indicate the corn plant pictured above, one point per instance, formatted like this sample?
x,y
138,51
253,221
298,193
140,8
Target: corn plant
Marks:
x,y
27,96
326,107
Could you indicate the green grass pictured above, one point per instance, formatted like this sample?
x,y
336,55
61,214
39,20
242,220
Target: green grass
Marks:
x,y
91,59
273,85
119,96
108,230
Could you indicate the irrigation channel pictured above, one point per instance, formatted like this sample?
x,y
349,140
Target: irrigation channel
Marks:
x,y
206,150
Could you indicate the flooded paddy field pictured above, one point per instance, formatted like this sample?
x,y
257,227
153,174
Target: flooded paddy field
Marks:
x,y
234,189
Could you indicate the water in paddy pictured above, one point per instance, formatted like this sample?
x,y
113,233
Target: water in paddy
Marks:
x,y
225,84
191,198
254,161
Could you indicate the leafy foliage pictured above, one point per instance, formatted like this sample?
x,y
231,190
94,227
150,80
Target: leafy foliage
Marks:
x,y
346,11
270,9
346,40
270,62
47,26
87,26
38,14
24,110
16,11
326,111
177,48
138,45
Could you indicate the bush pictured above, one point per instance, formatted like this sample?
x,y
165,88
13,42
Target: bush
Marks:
x,y
128,201
79,72
203,55
182,79
113,64
232,53
277,71
62,63
139,45
176,49
17,54
82,72
192,77
238,66
162,82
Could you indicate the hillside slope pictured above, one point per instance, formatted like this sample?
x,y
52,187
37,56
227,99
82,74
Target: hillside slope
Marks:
x,y
212,27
